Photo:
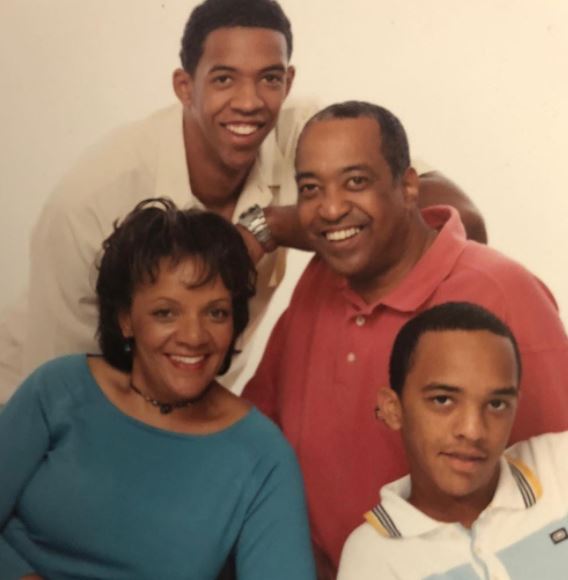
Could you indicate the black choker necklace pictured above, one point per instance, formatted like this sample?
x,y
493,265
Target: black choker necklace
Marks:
x,y
165,408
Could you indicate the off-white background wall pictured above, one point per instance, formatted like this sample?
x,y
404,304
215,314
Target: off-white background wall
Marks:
x,y
481,86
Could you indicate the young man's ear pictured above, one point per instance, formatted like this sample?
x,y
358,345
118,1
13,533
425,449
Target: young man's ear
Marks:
x,y
410,187
290,74
183,85
389,407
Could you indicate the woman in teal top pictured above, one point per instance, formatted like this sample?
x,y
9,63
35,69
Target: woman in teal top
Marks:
x,y
138,464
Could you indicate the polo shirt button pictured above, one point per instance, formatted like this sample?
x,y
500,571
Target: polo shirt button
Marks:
x,y
351,357
360,320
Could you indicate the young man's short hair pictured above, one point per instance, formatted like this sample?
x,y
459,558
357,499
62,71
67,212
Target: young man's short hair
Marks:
x,y
448,316
213,14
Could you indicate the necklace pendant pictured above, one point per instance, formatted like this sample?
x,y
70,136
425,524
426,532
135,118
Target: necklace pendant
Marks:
x,y
165,408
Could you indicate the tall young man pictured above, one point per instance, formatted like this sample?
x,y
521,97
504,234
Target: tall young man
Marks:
x,y
227,146
381,261
467,509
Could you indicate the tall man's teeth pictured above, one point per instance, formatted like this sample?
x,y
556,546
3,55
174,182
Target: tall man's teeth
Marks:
x,y
339,235
242,129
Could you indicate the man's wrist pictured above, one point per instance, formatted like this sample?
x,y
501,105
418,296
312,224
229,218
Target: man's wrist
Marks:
x,y
254,220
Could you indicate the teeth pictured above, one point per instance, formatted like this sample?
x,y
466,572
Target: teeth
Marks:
x,y
340,235
188,360
242,129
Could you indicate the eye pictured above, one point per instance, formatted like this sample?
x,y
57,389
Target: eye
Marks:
x,y
307,190
219,314
222,80
441,400
357,182
498,405
273,80
163,313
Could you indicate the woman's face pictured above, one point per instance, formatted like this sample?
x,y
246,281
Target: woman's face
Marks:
x,y
181,332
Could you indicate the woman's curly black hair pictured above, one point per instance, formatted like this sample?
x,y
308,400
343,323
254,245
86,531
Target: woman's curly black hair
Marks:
x,y
157,229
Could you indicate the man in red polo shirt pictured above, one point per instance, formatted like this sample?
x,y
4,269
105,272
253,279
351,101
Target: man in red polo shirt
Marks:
x,y
380,261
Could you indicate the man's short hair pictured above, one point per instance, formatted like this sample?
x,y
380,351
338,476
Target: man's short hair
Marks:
x,y
447,316
394,142
213,14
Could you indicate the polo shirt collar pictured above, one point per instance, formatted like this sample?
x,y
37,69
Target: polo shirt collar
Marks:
x,y
264,179
398,517
518,489
172,178
430,271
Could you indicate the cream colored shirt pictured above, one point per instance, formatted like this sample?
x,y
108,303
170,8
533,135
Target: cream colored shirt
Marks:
x,y
141,160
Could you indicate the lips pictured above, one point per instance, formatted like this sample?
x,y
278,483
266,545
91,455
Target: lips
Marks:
x,y
465,461
186,362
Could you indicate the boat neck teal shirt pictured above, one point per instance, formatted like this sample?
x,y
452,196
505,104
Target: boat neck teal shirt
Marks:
x,y
89,492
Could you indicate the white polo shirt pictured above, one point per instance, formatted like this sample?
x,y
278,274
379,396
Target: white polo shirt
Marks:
x,y
521,535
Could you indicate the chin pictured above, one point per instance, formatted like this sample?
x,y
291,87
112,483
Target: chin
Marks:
x,y
240,162
463,490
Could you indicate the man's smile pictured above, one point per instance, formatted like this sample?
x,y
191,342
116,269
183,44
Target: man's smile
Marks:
x,y
342,234
243,129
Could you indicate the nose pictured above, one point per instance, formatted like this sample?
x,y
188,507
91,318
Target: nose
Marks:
x,y
470,424
334,205
246,98
192,331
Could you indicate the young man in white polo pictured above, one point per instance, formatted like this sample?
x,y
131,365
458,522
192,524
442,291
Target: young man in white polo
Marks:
x,y
468,509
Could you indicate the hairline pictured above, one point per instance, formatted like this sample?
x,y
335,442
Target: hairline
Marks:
x,y
413,354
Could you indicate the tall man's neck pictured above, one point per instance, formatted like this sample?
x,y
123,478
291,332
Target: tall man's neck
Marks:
x,y
215,185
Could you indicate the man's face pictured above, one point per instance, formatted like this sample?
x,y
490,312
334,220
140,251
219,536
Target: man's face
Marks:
x,y
457,409
355,214
235,94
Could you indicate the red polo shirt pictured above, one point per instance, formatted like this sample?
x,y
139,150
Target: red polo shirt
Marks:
x,y
328,355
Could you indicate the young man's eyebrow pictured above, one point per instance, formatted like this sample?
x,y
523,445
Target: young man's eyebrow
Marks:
x,y
440,387
506,392
222,68
501,392
277,67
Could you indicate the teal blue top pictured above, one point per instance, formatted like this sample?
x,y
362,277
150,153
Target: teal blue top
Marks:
x,y
88,492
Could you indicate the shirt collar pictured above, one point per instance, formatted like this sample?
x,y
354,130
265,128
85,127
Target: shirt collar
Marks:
x,y
518,489
395,513
264,178
429,272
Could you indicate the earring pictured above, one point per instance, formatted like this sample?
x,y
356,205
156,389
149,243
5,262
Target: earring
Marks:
x,y
128,344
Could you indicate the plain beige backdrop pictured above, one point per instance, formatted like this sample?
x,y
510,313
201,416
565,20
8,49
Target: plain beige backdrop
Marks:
x,y
481,86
